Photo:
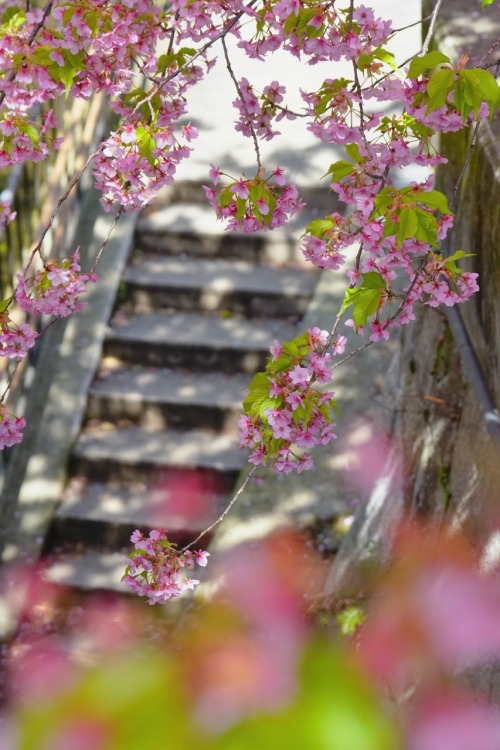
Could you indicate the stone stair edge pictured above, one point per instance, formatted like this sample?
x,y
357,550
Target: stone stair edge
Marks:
x,y
218,275
195,449
206,330
73,364
166,385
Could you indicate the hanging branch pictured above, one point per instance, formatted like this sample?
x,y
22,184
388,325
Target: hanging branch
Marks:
x,y
243,102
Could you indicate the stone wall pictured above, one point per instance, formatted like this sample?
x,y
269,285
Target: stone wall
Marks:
x,y
448,459
452,462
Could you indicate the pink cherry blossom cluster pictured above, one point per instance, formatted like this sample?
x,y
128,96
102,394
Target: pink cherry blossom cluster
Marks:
x,y
6,213
199,21
319,32
411,264
157,569
285,413
54,290
260,114
10,428
135,163
115,36
255,204
15,338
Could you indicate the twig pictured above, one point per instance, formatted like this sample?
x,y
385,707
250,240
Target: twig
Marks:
x,y
172,34
352,354
74,181
430,31
243,102
467,159
411,25
487,54
9,381
106,239
225,512
351,11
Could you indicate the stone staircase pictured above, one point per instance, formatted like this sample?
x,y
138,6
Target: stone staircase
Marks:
x,y
196,312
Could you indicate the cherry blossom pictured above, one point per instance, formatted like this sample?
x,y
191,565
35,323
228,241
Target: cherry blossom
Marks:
x,y
157,569
54,290
10,428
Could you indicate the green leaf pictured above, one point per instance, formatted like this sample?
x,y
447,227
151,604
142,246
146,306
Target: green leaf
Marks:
x,y
318,227
5,304
281,364
450,262
433,199
340,169
241,207
146,145
350,619
291,348
67,73
225,197
68,14
364,299
13,18
31,132
269,403
477,86
459,254
427,228
41,55
383,200
407,225
373,280
487,2
92,21
353,151
438,88
365,60
387,57
290,24
420,65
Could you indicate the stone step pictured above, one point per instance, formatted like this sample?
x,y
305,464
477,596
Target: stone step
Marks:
x,y
191,229
104,515
160,398
196,341
131,454
89,571
199,284
319,200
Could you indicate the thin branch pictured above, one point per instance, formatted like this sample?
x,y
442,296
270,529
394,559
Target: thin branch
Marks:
x,y
106,239
411,25
74,181
172,34
225,512
9,381
243,102
352,354
464,166
351,11
487,54
430,31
